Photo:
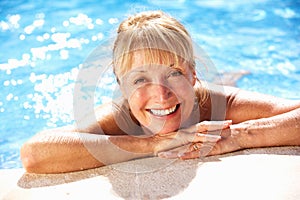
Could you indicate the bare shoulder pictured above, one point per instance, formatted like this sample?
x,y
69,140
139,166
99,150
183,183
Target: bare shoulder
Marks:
x,y
111,118
243,105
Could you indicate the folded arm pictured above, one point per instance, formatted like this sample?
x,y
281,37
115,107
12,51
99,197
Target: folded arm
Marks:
x,y
259,120
56,151
91,145
93,141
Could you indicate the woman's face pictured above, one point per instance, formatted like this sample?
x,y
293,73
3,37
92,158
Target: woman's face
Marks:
x,y
160,95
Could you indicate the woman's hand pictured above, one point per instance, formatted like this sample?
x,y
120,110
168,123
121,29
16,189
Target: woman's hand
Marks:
x,y
201,133
234,138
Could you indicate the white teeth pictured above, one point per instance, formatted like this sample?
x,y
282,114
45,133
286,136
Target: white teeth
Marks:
x,y
163,112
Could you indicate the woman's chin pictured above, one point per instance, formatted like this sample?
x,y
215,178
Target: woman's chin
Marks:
x,y
159,126
163,131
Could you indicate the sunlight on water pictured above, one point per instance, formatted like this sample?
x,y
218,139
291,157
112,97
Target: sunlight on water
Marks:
x,y
43,48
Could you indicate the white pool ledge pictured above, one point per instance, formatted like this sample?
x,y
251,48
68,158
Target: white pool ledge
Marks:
x,y
266,173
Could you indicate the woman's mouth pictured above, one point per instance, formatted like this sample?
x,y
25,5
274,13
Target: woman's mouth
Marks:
x,y
164,112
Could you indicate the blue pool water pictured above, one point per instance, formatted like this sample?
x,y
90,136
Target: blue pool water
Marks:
x,y
43,44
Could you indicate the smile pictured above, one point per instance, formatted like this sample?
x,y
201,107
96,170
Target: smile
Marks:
x,y
164,112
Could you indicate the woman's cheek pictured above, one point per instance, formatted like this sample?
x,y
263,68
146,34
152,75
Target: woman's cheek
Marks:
x,y
186,95
184,91
137,102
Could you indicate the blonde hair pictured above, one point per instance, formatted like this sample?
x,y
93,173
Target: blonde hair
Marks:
x,y
160,36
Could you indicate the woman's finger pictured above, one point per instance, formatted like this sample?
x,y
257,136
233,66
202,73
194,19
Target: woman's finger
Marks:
x,y
172,140
197,150
198,137
174,153
189,155
189,151
205,126
213,125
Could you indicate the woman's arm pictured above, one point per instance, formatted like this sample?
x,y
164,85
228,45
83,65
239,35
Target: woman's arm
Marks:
x,y
258,121
86,144
57,151
94,143
245,105
261,121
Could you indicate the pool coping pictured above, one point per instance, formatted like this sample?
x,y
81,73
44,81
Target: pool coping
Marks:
x,y
262,173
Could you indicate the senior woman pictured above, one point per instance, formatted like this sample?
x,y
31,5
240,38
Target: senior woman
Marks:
x,y
165,109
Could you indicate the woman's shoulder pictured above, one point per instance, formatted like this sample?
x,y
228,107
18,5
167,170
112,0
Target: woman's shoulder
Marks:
x,y
117,113
219,89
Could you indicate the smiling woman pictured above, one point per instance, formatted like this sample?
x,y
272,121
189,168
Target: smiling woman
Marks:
x,y
159,94
175,114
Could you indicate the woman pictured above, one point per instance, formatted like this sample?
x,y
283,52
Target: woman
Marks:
x,y
165,111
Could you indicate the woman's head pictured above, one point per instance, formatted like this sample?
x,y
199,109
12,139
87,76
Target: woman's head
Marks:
x,y
153,60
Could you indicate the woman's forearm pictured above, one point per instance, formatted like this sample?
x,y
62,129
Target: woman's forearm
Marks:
x,y
279,130
57,152
63,150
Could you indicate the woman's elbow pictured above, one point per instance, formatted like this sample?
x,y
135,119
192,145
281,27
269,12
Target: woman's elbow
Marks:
x,y
27,158
30,159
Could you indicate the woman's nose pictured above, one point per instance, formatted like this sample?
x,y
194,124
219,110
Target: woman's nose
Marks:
x,y
161,92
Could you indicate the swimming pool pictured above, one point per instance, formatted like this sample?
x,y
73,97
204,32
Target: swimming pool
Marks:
x,y
44,43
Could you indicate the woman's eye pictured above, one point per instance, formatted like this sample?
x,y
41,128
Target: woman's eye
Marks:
x,y
175,73
139,81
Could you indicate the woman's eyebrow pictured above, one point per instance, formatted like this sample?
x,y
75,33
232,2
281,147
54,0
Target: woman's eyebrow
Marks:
x,y
138,71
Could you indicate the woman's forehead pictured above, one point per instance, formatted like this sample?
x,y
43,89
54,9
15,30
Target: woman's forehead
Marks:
x,y
148,57
154,56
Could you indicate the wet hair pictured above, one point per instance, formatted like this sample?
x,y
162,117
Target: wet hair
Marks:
x,y
160,37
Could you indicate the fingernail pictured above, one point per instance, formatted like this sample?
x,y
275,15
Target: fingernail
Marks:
x,y
228,122
167,155
213,138
234,132
162,154
180,155
210,138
